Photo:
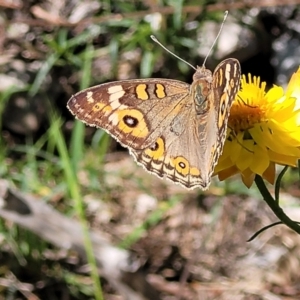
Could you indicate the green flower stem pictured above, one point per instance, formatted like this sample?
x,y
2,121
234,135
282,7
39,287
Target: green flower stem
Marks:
x,y
278,182
277,210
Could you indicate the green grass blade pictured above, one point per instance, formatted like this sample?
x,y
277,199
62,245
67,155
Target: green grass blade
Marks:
x,y
76,151
77,138
74,190
41,75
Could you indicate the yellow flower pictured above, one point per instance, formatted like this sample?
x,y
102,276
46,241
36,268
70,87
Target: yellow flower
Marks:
x,y
263,130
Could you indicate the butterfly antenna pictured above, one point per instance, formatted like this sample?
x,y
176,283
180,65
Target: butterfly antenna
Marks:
x,y
160,44
220,30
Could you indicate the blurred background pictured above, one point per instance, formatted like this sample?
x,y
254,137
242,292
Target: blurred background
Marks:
x,y
58,174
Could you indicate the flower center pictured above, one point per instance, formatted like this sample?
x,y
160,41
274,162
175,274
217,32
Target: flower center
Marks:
x,y
244,116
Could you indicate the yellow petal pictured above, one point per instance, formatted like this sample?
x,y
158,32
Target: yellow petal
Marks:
x,y
269,174
245,158
261,160
236,147
224,174
293,88
248,178
283,159
274,93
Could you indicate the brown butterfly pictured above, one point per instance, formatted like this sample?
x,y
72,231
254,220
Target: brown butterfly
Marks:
x,y
173,129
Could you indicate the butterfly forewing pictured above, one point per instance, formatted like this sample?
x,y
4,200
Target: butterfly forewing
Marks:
x,y
132,111
225,85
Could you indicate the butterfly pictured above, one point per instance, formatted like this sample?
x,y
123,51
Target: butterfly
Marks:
x,y
175,130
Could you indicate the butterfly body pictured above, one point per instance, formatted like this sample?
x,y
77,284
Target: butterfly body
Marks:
x,y
173,129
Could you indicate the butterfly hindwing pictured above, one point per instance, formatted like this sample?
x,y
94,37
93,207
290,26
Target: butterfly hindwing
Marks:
x,y
189,155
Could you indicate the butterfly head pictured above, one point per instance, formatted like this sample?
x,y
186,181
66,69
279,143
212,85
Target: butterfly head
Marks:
x,y
202,74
